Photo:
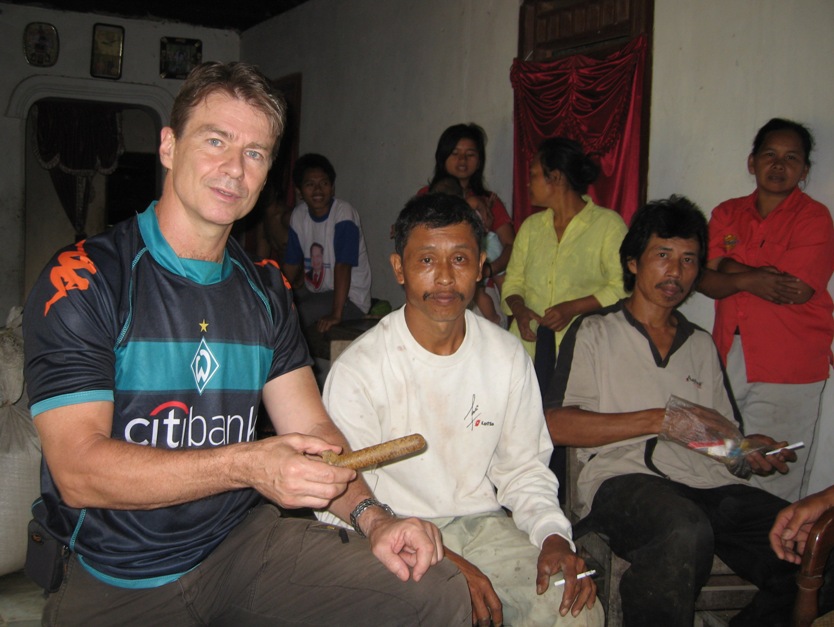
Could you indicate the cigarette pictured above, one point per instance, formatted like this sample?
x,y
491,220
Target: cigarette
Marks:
x,y
789,447
587,573
378,453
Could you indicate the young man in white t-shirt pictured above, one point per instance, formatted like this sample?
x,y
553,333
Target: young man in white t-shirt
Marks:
x,y
326,259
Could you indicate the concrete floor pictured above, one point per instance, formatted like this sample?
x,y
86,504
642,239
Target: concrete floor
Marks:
x,y
21,601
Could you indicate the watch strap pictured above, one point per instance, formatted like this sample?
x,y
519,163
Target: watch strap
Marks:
x,y
359,509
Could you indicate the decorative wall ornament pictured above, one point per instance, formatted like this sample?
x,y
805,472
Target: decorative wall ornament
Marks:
x,y
108,50
40,44
178,56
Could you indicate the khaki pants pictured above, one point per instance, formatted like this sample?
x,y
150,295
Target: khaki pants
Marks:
x,y
503,553
784,411
272,571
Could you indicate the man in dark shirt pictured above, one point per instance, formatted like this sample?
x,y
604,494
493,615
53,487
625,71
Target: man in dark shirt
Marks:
x,y
148,352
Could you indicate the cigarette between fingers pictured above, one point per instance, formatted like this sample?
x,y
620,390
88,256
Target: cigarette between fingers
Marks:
x,y
377,454
789,447
587,573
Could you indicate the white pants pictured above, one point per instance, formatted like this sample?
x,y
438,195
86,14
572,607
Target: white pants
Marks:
x,y
784,411
503,553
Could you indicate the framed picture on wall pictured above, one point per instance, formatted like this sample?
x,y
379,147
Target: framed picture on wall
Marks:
x,y
177,56
40,44
108,48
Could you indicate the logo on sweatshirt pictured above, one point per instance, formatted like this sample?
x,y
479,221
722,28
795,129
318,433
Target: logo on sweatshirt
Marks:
x,y
473,419
694,381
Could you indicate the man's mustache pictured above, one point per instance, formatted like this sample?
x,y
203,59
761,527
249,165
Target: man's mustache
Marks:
x,y
428,295
673,282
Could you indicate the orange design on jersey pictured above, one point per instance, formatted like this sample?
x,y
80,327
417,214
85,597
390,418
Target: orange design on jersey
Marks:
x,y
272,262
65,276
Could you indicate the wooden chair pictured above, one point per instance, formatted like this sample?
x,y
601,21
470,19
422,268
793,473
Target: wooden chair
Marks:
x,y
724,589
810,577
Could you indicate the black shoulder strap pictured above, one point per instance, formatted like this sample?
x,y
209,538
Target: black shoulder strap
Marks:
x,y
647,457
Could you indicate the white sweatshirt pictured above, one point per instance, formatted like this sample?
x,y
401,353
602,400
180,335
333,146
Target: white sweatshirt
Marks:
x,y
479,410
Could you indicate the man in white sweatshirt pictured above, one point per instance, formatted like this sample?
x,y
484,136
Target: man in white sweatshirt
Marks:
x,y
469,388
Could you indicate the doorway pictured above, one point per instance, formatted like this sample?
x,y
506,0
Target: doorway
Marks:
x,y
114,197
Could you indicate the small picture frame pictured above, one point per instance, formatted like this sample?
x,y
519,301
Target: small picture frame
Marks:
x,y
108,51
40,44
178,56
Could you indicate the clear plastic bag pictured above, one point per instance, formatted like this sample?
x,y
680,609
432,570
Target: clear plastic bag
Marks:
x,y
707,432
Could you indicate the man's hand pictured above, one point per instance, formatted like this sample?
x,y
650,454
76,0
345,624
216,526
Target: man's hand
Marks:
x,y
486,606
407,547
763,464
324,324
556,556
558,316
523,316
282,470
793,524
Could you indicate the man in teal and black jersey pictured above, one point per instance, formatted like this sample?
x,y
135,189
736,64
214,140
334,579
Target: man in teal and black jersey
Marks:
x,y
149,349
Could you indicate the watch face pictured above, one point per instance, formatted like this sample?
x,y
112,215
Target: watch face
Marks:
x,y
40,44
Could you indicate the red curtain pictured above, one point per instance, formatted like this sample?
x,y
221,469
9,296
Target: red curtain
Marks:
x,y
597,102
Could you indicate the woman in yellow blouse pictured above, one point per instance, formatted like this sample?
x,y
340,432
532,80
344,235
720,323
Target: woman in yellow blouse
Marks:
x,y
565,260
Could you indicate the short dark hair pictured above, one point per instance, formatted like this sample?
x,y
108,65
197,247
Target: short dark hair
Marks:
x,y
566,156
668,218
312,161
435,211
781,124
447,185
237,79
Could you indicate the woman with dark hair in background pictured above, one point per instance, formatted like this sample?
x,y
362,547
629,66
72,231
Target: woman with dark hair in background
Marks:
x,y
771,256
565,261
461,153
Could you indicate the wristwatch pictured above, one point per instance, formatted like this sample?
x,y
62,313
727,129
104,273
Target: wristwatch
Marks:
x,y
359,509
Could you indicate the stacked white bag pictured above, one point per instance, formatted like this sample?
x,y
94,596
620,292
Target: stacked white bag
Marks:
x,y
20,450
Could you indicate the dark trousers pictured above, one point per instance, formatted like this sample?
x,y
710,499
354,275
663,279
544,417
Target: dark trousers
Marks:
x,y
669,532
272,571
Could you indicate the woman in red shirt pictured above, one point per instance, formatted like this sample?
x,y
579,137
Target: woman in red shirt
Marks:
x,y
771,256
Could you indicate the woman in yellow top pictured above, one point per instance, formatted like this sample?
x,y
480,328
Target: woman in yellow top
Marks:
x,y
565,260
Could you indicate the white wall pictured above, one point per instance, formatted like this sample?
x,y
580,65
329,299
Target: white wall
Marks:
x,y
70,77
381,80
721,70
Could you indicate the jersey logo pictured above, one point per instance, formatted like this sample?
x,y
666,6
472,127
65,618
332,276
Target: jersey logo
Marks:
x,y
64,276
203,366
